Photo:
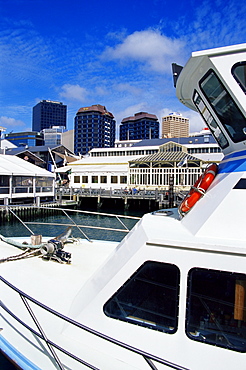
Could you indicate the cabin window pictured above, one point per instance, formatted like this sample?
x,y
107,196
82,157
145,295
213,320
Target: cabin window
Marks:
x,y
239,73
224,106
216,310
76,179
149,298
94,179
210,121
114,179
103,179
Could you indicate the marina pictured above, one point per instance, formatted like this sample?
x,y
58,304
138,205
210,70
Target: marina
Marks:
x,y
164,291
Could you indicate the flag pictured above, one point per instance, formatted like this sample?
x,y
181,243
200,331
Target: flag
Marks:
x,y
182,163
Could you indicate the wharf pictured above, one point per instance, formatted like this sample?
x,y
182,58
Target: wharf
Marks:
x,y
27,211
102,198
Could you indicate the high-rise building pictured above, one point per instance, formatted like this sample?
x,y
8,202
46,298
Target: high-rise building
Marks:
x,y
139,127
94,127
53,136
175,125
47,114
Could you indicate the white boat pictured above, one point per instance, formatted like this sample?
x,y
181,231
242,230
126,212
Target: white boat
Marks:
x,y
172,293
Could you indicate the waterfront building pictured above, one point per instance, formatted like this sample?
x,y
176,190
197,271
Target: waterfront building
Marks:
x,y
94,127
30,138
48,157
6,144
48,113
22,181
125,143
175,125
147,164
139,127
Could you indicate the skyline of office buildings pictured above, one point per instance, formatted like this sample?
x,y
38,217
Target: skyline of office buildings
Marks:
x,y
95,127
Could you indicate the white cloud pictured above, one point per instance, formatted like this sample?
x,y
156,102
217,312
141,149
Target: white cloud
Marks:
x,y
149,47
73,92
130,111
127,88
9,122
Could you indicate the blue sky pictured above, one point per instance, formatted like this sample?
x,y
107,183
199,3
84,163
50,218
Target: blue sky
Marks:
x,y
114,53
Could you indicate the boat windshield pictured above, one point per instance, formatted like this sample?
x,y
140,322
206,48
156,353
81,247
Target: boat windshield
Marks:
x,y
224,107
210,121
239,73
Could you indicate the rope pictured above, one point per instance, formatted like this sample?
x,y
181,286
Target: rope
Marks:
x,y
26,254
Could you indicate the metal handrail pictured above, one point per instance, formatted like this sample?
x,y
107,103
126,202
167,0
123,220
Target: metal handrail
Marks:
x,y
73,223
147,356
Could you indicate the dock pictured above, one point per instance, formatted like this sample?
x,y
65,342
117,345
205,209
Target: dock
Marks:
x,y
133,199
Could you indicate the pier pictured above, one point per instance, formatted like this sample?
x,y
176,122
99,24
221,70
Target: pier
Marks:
x,y
29,211
124,199
96,199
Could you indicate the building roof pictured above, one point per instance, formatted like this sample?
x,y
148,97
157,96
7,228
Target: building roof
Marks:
x,y
138,116
180,140
166,156
35,149
98,164
12,165
96,108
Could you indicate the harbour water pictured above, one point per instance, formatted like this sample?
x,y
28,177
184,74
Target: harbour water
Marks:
x,y
17,229
81,219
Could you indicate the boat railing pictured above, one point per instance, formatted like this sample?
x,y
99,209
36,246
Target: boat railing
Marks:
x,y
72,223
52,346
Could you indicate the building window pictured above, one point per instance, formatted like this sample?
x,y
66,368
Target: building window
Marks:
x,y
94,179
123,179
216,309
84,179
149,298
103,179
114,180
76,179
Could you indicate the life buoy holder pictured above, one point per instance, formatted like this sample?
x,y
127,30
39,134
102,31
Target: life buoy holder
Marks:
x,y
199,188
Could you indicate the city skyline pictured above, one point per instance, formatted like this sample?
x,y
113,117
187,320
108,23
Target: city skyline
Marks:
x,y
96,52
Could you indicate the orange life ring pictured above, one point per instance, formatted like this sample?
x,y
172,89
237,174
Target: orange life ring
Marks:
x,y
199,188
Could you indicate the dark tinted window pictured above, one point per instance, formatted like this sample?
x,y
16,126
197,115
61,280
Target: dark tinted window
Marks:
x,y
149,298
239,73
216,311
208,118
224,106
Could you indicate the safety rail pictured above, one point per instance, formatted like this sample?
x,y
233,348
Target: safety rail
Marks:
x,y
149,358
72,223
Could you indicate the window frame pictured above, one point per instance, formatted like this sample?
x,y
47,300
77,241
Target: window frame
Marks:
x,y
209,317
227,125
243,86
139,300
